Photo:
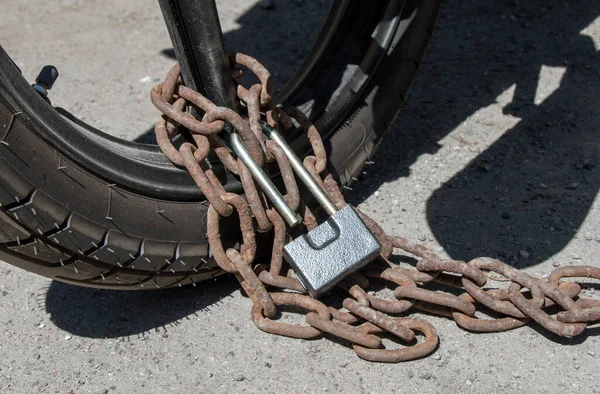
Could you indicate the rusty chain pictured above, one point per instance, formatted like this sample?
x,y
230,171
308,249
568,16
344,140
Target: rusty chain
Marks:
x,y
364,316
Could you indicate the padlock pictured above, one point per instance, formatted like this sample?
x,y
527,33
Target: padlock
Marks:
x,y
333,250
336,248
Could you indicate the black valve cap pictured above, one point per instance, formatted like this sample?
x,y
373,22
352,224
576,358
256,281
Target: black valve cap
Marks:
x,y
47,77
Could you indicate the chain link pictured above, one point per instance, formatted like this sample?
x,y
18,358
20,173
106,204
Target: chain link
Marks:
x,y
365,315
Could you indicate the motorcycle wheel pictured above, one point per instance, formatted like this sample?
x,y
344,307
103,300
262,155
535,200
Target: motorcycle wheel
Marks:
x,y
83,207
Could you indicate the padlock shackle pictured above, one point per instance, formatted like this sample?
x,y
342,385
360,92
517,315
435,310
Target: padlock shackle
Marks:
x,y
265,183
305,176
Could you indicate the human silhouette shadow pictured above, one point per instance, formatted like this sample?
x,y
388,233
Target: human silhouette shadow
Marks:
x,y
523,198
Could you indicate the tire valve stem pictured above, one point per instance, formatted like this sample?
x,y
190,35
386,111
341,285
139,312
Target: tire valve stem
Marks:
x,y
45,80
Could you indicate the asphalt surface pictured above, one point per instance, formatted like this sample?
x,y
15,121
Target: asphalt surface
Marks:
x,y
496,154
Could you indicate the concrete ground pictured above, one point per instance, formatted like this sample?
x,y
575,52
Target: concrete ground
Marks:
x,y
496,154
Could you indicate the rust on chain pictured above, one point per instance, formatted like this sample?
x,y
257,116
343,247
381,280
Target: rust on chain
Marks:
x,y
310,221
589,309
313,136
360,295
486,325
333,189
246,286
511,273
214,181
378,232
343,316
223,153
457,267
343,330
558,296
571,289
388,323
589,312
354,285
310,163
252,99
413,248
441,299
185,119
216,201
585,315
260,293
357,291
541,317
491,301
253,197
588,302
260,71
290,299
292,196
389,306
249,290
573,272
272,120
276,116
171,80
417,351
283,282
396,272
248,247
165,127
174,155
242,127
279,239
197,99
396,276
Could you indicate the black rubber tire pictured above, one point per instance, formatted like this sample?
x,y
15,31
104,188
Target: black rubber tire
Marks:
x,y
62,220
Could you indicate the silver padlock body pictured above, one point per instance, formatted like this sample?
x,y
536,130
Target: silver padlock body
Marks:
x,y
338,247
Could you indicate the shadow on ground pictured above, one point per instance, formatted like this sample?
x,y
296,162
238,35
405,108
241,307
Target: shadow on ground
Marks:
x,y
97,313
530,191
